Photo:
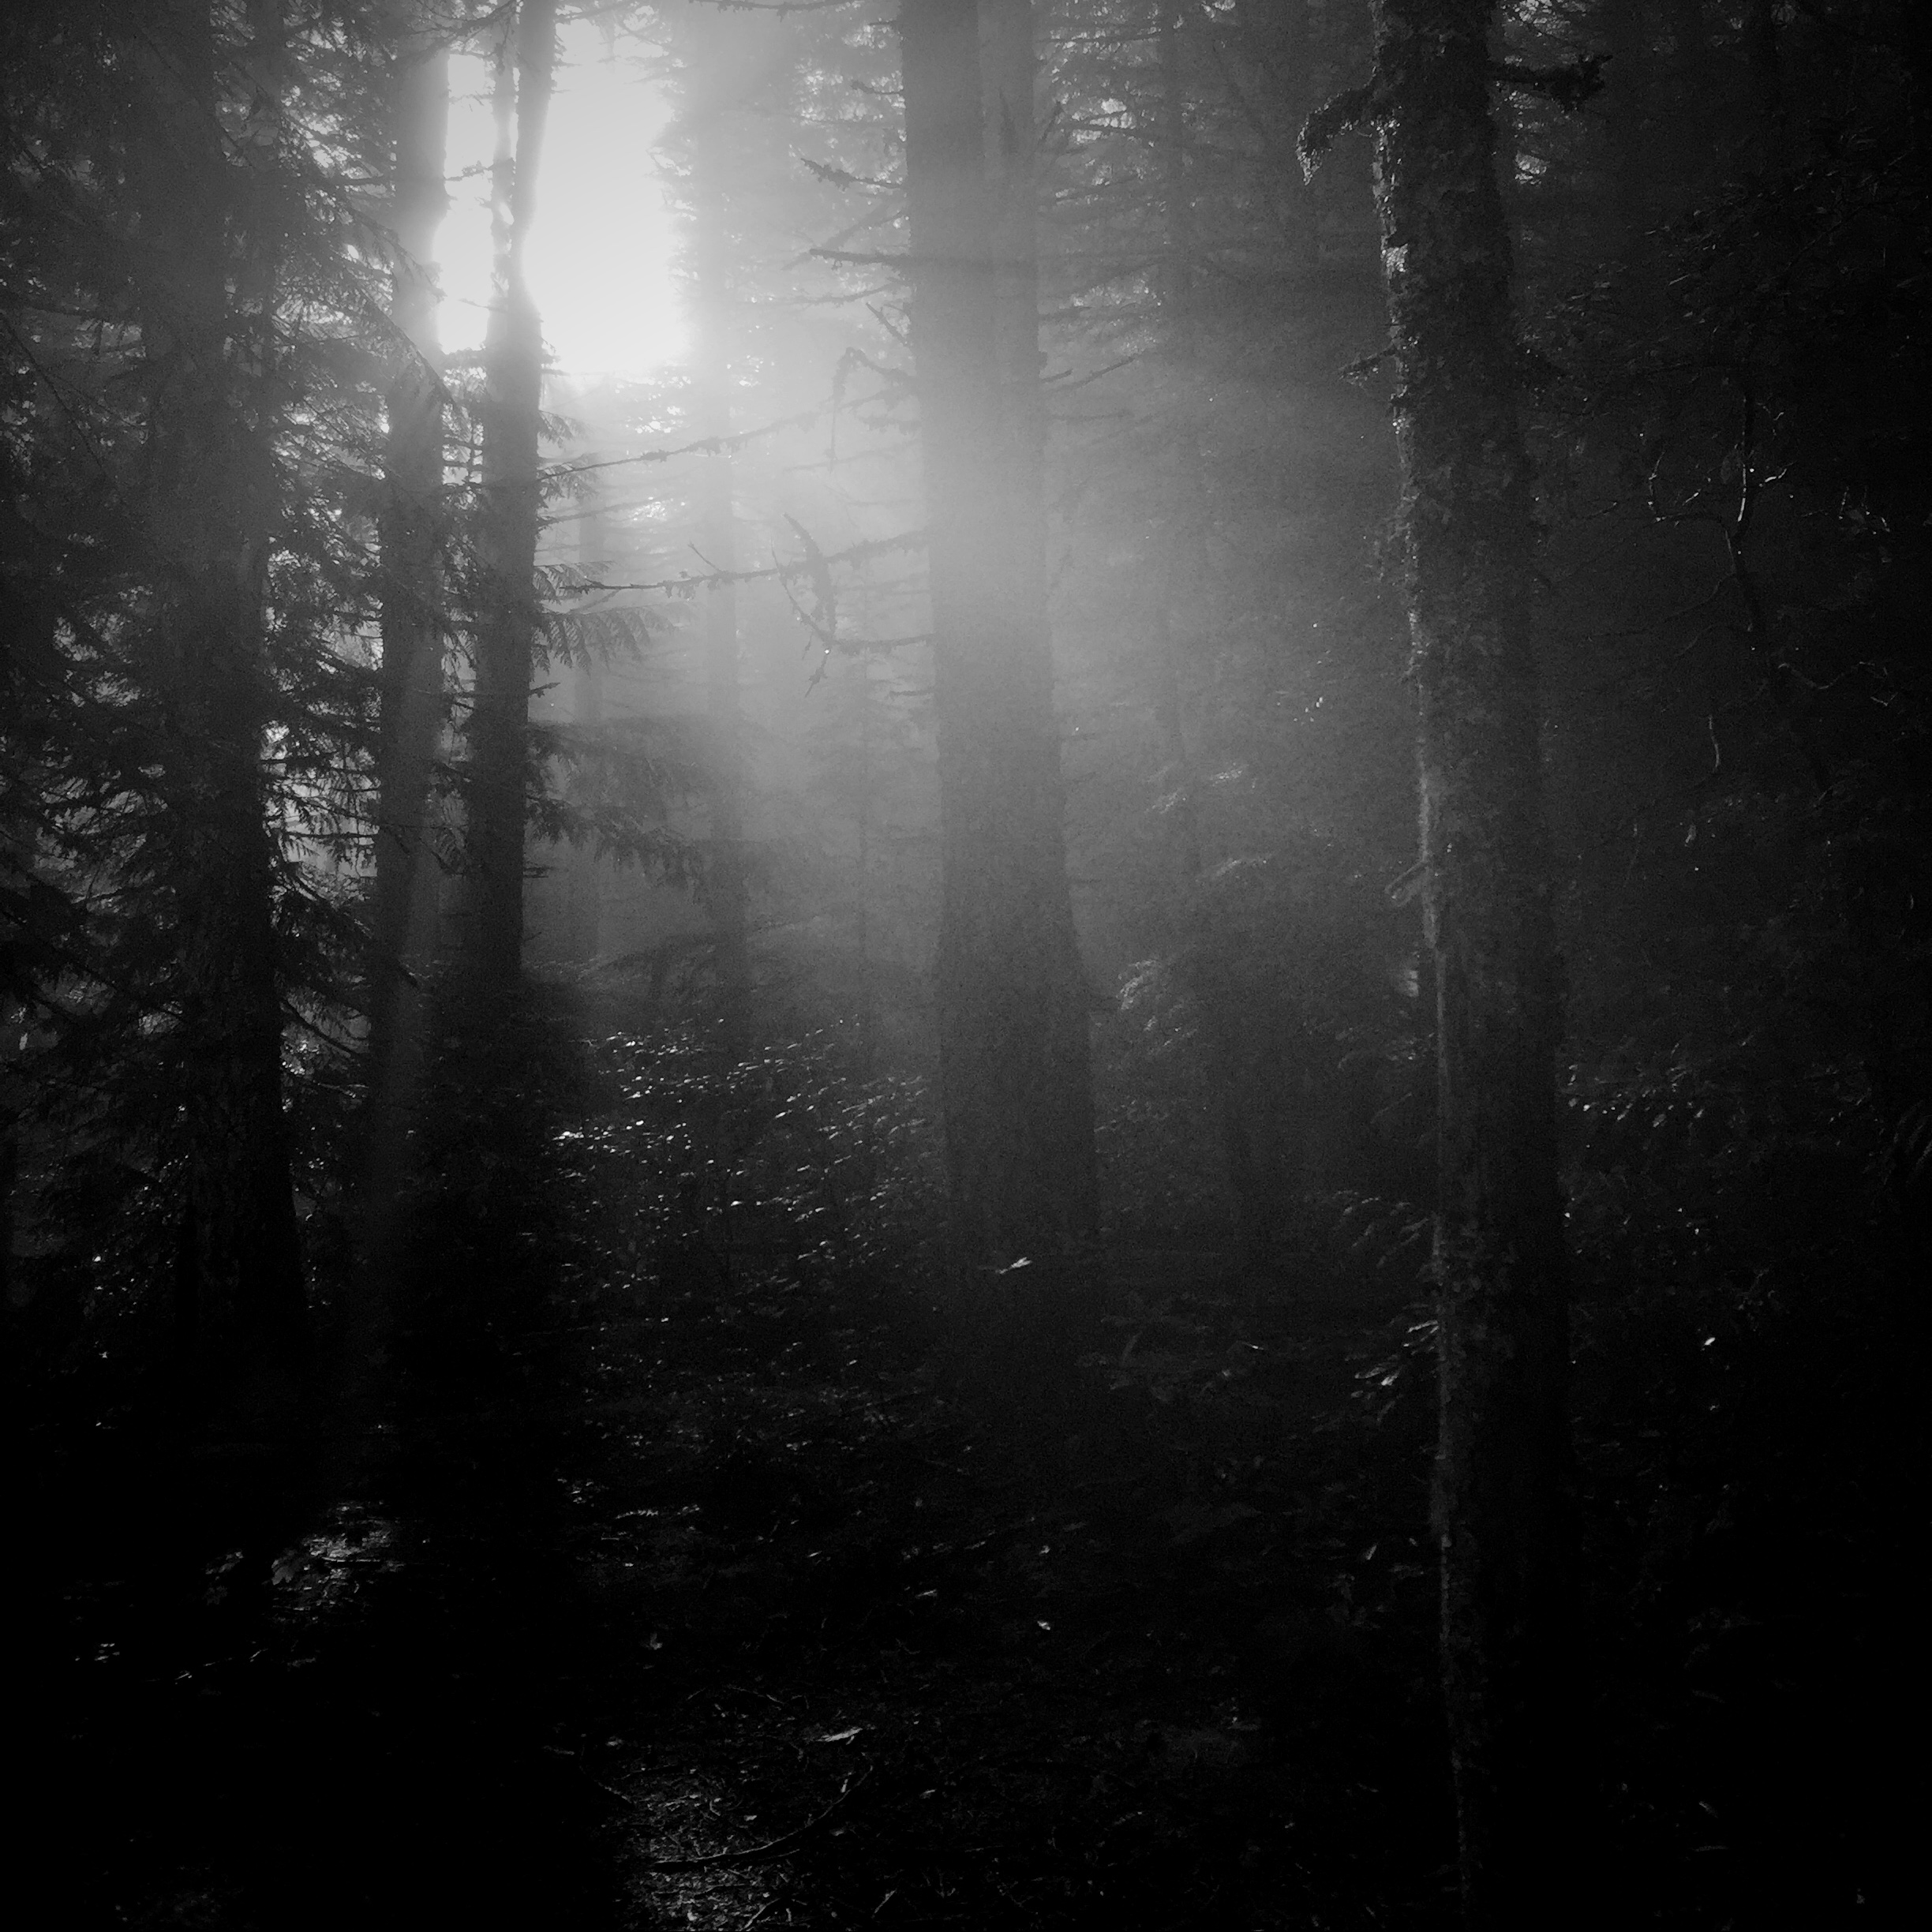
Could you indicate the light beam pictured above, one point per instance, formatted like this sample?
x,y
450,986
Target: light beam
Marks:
x,y
600,254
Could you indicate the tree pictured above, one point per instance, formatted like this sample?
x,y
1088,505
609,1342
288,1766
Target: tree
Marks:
x,y
730,57
1011,1001
413,538
510,491
207,500
1468,522
188,768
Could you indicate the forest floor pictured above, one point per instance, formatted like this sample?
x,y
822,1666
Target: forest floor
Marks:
x,y
665,1638
724,1596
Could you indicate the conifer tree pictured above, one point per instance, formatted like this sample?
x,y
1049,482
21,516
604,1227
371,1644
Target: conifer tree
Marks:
x,y
509,513
413,536
730,57
1012,1025
188,764
205,498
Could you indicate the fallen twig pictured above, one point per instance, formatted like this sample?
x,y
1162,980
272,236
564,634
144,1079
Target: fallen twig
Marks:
x,y
752,1854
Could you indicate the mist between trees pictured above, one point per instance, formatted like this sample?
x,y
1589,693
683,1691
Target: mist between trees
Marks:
x,y
857,890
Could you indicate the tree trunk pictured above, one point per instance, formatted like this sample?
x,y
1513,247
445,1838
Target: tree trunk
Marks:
x,y
402,931
507,622
584,900
1015,1087
412,538
729,56
1178,547
1467,513
208,506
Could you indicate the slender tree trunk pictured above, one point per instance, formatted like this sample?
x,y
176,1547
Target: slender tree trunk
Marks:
x,y
1180,571
585,886
734,56
1176,542
726,894
402,932
1173,549
1013,1050
728,47
862,883
208,503
1467,513
507,625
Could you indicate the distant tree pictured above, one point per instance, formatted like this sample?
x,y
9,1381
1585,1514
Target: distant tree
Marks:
x,y
207,500
414,534
1011,1001
1241,738
509,512
729,59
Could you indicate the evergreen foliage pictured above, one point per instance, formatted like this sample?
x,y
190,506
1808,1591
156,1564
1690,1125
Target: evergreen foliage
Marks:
x,y
641,1306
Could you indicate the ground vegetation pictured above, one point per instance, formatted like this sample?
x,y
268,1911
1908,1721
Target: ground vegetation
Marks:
x,y
750,1175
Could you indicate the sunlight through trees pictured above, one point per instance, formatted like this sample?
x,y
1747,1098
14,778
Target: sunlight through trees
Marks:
x,y
1006,917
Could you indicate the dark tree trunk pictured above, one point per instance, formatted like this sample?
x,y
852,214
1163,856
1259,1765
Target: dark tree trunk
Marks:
x,y
1467,514
1013,1050
207,501
586,881
412,539
1180,574
507,625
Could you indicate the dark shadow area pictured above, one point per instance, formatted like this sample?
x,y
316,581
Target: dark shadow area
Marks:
x,y
717,1564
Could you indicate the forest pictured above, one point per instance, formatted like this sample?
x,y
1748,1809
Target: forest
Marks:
x,y
965,962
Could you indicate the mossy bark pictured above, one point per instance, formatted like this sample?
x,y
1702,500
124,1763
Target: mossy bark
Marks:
x,y
1468,516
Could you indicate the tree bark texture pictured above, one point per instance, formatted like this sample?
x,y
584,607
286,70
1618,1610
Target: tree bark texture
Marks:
x,y
207,499
498,725
1013,1051
1467,514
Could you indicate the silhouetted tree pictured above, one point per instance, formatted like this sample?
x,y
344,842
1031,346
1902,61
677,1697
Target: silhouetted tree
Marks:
x,y
414,534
